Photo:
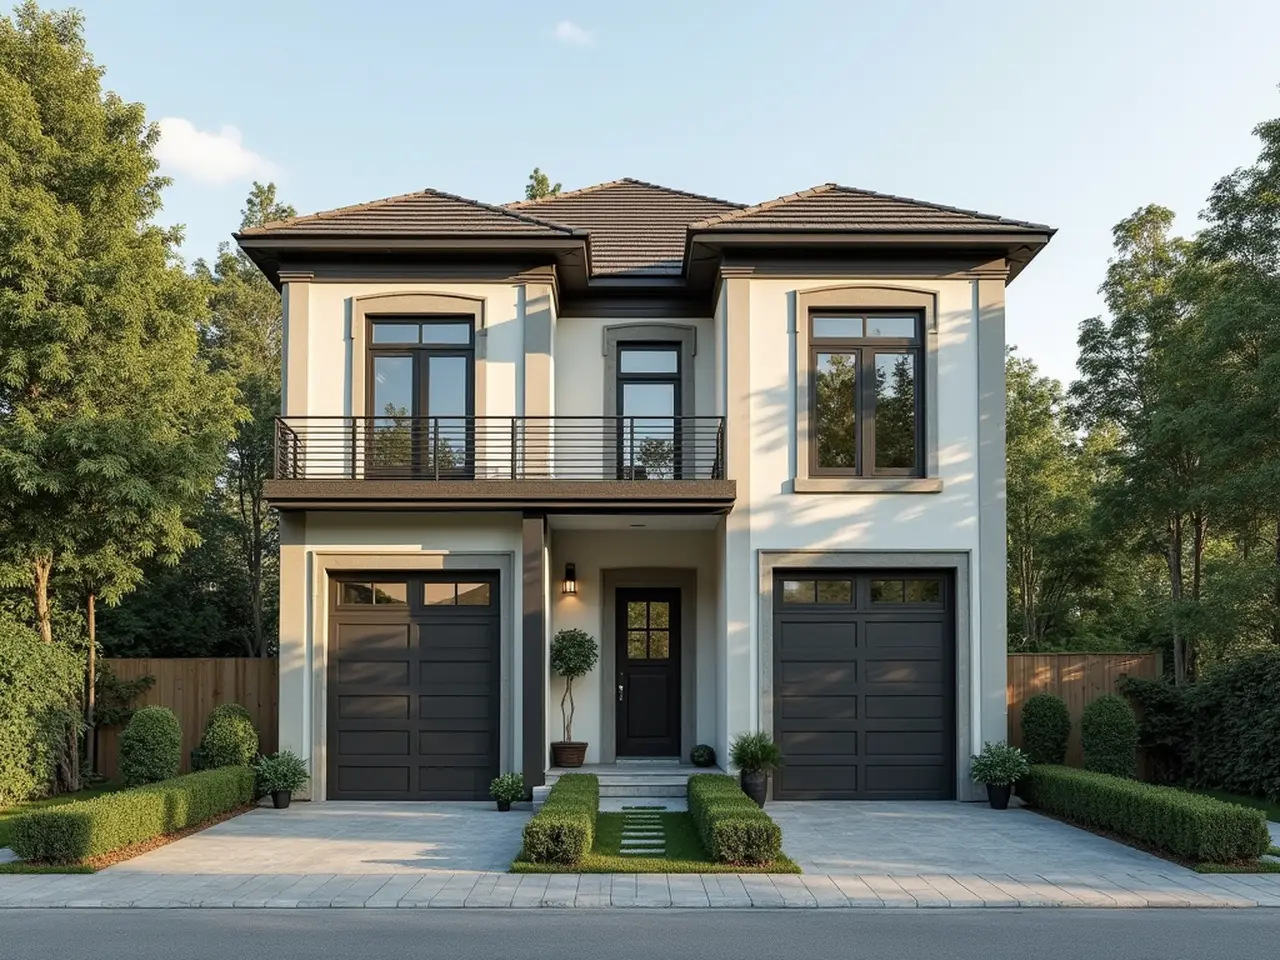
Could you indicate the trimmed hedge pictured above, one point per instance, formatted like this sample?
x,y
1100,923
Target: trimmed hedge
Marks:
x,y
732,828
1235,716
1187,825
150,747
229,739
89,828
564,830
1046,727
1109,736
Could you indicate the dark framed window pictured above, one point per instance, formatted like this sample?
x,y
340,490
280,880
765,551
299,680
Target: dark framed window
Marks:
x,y
866,410
650,386
421,396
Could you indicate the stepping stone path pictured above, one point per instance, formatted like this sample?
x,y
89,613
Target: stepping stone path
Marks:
x,y
642,833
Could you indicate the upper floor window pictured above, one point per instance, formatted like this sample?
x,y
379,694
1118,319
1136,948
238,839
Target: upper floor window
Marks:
x,y
865,405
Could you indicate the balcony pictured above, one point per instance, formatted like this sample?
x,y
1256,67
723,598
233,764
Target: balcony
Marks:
x,y
571,463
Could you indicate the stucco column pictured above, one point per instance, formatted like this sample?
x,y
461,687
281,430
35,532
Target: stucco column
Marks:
x,y
991,568
534,654
738,651
295,724
295,302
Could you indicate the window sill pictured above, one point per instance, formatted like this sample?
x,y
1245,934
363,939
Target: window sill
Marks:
x,y
867,485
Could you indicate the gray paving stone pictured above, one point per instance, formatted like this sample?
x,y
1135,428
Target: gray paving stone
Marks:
x,y
760,888
561,891
531,890
890,892
687,890
652,890
456,890
956,893
856,891
990,894
725,890
422,892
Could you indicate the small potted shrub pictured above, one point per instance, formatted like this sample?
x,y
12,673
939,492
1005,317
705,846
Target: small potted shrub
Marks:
x,y
279,775
703,755
507,789
999,766
573,654
755,755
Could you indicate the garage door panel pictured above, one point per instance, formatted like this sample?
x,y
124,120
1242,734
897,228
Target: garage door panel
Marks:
x,y
414,704
371,637
802,640
863,697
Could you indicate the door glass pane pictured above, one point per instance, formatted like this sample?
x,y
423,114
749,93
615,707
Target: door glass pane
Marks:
x,y
636,614
660,615
391,446
923,591
446,333
835,410
891,327
391,594
648,440
835,591
357,593
886,591
895,411
447,404
438,594
659,645
637,648
395,333
797,591
473,594
631,360
836,327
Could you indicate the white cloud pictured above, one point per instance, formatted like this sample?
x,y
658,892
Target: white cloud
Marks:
x,y
569,32
208,156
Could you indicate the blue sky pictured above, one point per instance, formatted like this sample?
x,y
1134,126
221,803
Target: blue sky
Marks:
x,y
1072,114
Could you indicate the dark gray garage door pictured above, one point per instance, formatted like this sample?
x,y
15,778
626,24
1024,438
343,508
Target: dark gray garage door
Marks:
x,y
864,685
413,688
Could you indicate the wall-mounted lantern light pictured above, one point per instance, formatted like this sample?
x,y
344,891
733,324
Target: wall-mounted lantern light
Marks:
x,y
570,579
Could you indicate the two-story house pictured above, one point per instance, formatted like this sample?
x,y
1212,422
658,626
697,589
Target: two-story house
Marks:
x,y
756,451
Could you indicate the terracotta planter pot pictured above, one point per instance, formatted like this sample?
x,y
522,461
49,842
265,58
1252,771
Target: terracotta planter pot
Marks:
x,y
280,798
568,753
755,785
998,795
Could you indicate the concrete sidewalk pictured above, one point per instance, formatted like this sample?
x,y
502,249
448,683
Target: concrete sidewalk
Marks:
x,y
1172,887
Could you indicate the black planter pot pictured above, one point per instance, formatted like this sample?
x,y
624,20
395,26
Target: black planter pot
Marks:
x,y
504,805
998,795
280,798
755,785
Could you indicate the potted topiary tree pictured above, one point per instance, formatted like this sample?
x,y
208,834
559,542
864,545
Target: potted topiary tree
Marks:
x,y
573,654
999,766
755,755
279,775
507,789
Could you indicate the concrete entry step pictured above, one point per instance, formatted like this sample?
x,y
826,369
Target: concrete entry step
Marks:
x,y
630,778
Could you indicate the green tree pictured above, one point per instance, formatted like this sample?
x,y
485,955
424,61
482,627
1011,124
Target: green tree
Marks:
x,y
539,186
112,425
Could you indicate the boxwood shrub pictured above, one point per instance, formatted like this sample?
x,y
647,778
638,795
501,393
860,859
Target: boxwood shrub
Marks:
x,y
732,828
1046,726
229,739
1187,825
1109,736
89,828
150,747
564,830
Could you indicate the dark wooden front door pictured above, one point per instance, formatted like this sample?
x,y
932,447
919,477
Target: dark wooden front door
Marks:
x,y
648,683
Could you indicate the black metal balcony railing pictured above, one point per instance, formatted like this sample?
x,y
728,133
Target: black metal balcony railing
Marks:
x,y
499,448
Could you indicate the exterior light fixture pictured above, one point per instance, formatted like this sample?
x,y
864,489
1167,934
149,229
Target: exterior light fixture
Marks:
x,y
570,579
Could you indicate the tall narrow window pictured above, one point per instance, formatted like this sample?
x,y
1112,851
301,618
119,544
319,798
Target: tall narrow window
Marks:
x,y
649,380
866,415
421,397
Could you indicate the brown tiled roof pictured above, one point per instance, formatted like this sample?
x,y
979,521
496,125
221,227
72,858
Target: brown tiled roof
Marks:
x,y
835,207
637,228
424,213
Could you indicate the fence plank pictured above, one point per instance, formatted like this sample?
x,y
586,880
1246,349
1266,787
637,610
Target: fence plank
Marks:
x,y
191,688
1078,678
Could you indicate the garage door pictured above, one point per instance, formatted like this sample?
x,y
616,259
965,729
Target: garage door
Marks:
x,y
864,685
413,688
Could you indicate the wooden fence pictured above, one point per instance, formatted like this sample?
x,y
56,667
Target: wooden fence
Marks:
x,y
1078,678
191,688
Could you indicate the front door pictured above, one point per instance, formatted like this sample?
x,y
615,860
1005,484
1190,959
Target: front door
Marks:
x,y
648,659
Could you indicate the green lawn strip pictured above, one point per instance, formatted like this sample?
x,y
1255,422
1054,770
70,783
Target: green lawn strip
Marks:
x,y
1270,810
1257,866
684,853
20,867
8,813
1274,851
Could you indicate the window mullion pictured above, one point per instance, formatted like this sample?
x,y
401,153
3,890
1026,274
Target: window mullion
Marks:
x,y
867,412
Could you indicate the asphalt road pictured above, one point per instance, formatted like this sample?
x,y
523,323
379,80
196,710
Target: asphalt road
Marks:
x,y
639,934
